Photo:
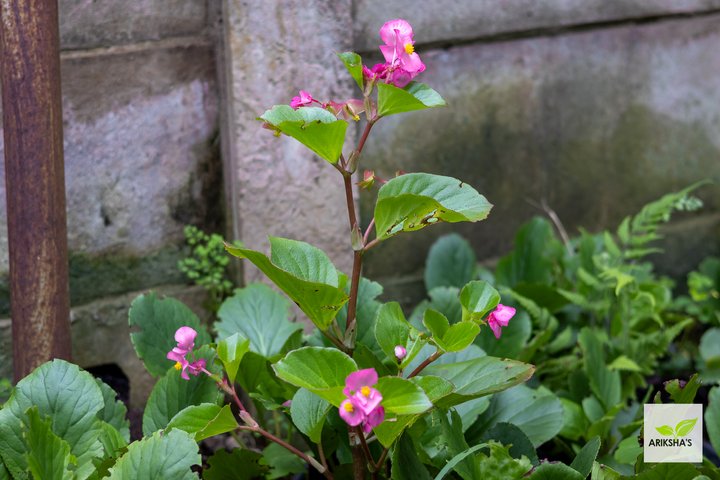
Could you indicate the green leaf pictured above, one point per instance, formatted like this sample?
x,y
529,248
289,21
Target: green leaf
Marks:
x,y
685,426
712,418
604,383
628,450
665,430
585,458
479,377
500,465
71,398
450,338
308,413
685,393
450,262
171,394
204,421
282,462
230,351
555,471
477,299
624,363
158,321
413,201
510,434
162,456
257,377
451,436
415,96
238,464
538,413
603,472
321,370
402,397
48,456
304,273
353,63
513,341
405,462
314,127
115,411
259,314
392,329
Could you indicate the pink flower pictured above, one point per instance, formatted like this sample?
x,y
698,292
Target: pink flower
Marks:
x,y
185,338
402,63
363,403
500,317
400,352
302,100
379,70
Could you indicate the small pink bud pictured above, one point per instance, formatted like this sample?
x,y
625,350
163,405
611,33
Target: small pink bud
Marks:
x,y
400,352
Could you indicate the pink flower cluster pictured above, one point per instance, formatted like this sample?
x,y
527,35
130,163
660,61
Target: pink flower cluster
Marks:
x,y
402,64
362,405
185,338
500,317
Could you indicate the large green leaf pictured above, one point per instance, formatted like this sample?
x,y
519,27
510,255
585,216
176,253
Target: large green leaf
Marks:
x,y
204,421
712,418
413,201
261,315
405,462
239,464
414,96
538,413
402,397
477,298
158,320
48,456
449,338
353,63
392,329
308,413
171,394
304,273
71,398
604,383
321,370
231,351
162,456
314,127
479,377
450,262
114,412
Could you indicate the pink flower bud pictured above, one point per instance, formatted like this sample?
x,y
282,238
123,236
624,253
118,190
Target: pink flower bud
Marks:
x,y
400,352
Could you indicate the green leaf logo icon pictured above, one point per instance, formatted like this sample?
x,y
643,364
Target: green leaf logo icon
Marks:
x,y
684,427
665,430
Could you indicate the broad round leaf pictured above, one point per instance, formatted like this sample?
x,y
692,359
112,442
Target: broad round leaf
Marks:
x,y
414,96
314,127
413,201
321,370
450,262
162,456
308,413
71,398
171,394
204,420
158,320
477,299
304,273
48,455
259,314
402,397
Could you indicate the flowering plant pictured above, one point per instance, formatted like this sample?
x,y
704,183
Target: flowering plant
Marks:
x,y
368,392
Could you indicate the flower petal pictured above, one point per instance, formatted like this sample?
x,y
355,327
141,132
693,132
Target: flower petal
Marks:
x,y
394,31
362,378
185,337
350,413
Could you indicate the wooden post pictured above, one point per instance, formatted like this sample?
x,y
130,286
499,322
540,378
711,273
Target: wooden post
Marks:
x,y
35,182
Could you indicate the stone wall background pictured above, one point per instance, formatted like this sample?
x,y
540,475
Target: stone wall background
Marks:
x,y
595,107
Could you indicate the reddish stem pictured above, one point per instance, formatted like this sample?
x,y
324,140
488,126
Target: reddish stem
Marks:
x,y
424,364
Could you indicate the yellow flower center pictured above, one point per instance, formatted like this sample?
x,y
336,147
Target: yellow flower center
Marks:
x,y
409,48
178,366
348,407
365,391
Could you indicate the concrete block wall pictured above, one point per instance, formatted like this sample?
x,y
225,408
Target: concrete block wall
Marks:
x,y
594,107
140,109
